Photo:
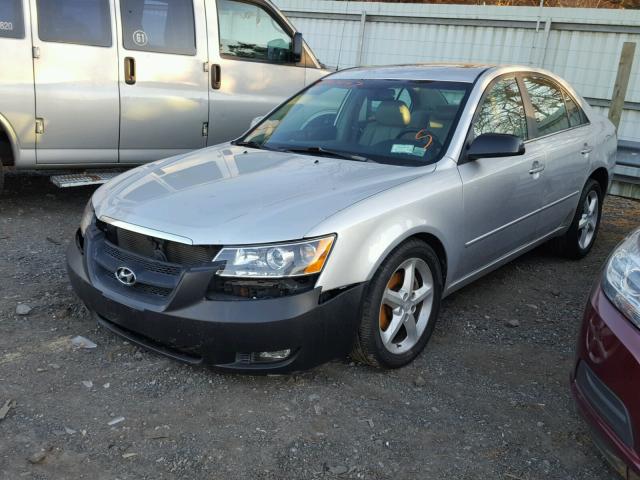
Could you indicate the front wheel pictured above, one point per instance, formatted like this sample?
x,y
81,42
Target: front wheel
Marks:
x,y
400,307
578,240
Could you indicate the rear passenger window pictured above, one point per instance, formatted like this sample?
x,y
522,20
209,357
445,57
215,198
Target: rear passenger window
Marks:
x,y
502,111
162,26
83,22
548,105
576,115
248,31
11,19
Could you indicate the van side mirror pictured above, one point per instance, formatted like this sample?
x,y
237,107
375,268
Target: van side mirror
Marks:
x,y
296,47
489,145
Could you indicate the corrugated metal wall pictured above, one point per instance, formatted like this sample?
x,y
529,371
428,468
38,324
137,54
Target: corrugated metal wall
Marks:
x,y
581,45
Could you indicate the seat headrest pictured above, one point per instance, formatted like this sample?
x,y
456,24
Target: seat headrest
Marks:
x,y
393,113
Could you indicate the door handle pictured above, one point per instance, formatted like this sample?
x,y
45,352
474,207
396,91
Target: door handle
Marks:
x,y
586,150
536,167
130,70
216,79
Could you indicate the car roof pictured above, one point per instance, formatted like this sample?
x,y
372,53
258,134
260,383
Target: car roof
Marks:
x,y
451,72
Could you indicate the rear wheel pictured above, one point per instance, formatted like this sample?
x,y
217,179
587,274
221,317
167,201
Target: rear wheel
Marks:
x,y
578,240
400,307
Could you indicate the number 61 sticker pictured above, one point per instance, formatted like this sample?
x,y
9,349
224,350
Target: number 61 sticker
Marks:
x,y
140,38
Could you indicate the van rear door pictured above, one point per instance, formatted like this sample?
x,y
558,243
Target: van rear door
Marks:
x,y
252,66
163,82
76,81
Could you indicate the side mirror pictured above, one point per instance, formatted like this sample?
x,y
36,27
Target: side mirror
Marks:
x,y
256,121
489,145
296,47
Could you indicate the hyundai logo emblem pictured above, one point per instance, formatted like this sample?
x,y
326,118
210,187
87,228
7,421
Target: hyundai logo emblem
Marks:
x,y
126,276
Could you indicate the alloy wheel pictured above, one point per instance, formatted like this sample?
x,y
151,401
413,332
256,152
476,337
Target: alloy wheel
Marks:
x,y
406,306
589,220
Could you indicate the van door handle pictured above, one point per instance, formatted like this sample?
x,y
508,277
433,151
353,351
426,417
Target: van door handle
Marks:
x,y
216,78
130,71
536,167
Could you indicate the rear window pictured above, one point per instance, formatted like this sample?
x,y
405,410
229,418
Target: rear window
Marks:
x,y
11,19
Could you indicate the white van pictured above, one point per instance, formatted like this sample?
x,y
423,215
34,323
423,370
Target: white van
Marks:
x,y
94,83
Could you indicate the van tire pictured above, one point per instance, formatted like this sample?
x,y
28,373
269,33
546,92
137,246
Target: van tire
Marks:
x,y
1,177
369,347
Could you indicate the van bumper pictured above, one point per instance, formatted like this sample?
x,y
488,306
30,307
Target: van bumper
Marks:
x,y
227,335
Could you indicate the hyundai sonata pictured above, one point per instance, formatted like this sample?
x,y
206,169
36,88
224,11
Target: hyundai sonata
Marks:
x,y
339,221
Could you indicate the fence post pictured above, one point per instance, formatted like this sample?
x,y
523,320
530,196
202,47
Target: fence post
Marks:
x,y
363,23
622,82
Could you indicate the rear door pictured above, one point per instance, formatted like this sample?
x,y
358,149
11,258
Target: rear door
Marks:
x,y
163,82
502,196
76,81
562,129
251,56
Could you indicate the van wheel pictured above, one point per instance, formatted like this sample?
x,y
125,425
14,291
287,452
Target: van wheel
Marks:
x,y
578,240
400,307
1,177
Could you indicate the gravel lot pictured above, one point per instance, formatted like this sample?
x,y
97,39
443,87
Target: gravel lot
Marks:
x,y
489,398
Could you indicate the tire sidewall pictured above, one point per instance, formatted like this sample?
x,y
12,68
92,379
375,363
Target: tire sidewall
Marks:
x,y
592,185
371,311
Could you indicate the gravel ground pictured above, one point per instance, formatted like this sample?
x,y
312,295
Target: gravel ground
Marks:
x,y
488,398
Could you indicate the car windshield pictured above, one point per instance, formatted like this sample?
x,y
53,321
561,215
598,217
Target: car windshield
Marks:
x,y
401,122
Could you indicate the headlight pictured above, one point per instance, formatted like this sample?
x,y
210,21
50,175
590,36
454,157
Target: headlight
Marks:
x,y
621,282
87,217
275,261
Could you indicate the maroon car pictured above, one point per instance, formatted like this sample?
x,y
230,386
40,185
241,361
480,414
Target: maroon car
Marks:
x,y
606,378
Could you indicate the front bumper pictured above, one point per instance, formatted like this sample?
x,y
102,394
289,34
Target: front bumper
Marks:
x,y
223,333
604,383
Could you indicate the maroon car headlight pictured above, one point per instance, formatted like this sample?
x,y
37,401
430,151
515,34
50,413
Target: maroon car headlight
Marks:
x,y
621,282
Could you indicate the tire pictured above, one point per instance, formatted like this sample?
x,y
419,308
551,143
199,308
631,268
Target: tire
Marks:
x,y
575,243
1,177
375,343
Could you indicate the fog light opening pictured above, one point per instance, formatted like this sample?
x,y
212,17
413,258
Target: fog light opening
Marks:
x,y
266,357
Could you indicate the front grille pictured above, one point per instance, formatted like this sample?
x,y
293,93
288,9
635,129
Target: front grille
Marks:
x,y
151,266
157,248
107,278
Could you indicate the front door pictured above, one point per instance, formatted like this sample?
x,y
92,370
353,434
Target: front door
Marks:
x,y
76,81
502,196
163,78
251,57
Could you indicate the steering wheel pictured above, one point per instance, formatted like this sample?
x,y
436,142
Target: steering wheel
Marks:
x,y
422,135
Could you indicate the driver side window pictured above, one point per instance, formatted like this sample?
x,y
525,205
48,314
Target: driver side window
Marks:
x,y
247,31
502,110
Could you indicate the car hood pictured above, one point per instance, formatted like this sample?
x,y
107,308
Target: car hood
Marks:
x,y
234,195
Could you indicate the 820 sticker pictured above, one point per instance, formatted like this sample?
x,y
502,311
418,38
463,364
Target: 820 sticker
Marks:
x,y
6,26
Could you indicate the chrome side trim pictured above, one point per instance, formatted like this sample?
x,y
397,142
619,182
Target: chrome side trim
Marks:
x,y
524,217
506,258
146,231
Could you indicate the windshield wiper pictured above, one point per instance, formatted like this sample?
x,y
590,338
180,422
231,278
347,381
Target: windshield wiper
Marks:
x,y
257,145
328,151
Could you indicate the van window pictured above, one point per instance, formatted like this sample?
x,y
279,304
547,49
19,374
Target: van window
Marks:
x,y
248,31
83,22
162,26
548,105
11,19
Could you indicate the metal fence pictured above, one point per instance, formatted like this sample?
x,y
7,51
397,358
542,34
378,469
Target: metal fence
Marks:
x,y
581,45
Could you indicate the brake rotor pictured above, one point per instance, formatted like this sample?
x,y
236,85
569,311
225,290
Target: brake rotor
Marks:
x,y
395,282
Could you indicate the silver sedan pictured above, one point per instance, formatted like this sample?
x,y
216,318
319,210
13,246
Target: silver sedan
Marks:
x,y
340,220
